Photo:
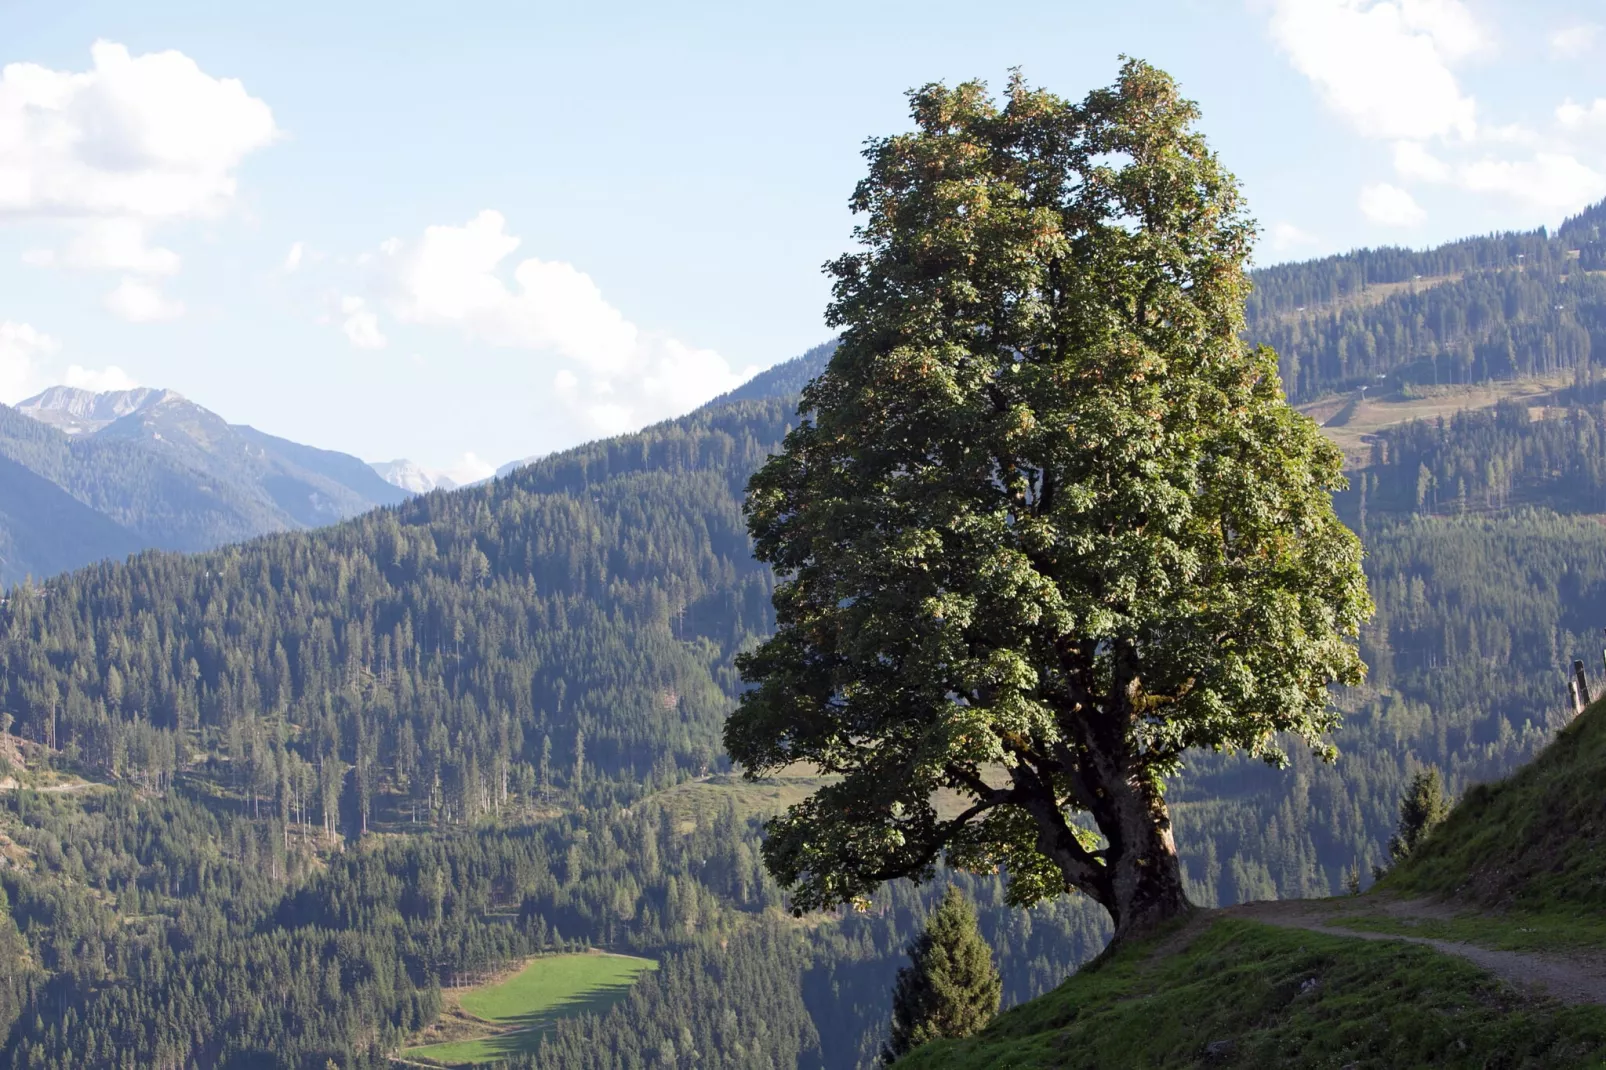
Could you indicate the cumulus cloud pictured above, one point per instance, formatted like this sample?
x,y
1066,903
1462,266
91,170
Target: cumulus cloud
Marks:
x,y
1285,237
1570,42
292,259
1552,182
1412,161
467,469
361,325
1384,67
114,152
150,137
612,373
1387,67
1390,206
1573,116
21,348
109,245
110,377
138,301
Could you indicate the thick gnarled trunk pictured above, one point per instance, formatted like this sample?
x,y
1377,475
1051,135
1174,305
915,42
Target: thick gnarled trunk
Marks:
x,y
1145,881
1137,877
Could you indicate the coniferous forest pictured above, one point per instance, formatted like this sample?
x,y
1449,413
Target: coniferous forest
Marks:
x,y
282,795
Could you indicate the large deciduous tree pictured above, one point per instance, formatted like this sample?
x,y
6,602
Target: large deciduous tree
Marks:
x,y
1047,522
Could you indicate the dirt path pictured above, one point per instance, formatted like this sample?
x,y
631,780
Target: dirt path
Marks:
x,y
1570,978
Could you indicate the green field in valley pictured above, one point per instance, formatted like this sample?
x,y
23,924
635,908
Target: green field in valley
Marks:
x,y
518,1011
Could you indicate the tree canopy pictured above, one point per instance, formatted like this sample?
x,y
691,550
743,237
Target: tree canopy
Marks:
x,y
1048,523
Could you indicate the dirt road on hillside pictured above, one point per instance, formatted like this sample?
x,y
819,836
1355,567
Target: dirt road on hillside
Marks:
x,y
1570,977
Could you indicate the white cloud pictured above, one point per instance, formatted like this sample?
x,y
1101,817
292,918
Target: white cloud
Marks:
x,y
149,136
611,372
1385,67
292,259
109,245
1412,161
21,346
1285,237
110,377
1390,206
1554,183
133,143
361,326
140,302
1573,116
1570,42
467,469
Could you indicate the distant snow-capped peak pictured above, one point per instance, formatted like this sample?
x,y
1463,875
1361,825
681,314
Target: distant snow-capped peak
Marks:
x,y
412,476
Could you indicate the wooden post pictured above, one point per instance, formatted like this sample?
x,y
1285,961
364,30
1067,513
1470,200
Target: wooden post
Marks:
x,y
1572,693
1583,684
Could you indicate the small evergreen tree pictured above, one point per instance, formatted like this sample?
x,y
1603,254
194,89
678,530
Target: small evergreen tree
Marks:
x,y
950,988
1424,806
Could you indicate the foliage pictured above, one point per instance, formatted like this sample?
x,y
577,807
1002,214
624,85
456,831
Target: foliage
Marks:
x,y
1046,514
950,988
1425,805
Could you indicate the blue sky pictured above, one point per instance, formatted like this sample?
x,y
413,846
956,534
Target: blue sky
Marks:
x,y
469,232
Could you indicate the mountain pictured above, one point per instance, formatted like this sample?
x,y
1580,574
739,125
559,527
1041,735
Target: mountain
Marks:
x,y
1501,307
413,477
162,472
44,530
77,411
331,772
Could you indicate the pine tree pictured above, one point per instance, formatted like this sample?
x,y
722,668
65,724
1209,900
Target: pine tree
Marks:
x,y
1424,806
950,988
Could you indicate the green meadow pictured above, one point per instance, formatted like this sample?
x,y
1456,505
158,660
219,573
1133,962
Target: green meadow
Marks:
x,y
519,1011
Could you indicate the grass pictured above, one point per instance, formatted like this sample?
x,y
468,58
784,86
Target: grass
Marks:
x,y
1531,846
520,1010
1516,930
1349,421
1241,994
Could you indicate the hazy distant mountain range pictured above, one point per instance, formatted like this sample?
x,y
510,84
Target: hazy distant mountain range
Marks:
x,y
85,476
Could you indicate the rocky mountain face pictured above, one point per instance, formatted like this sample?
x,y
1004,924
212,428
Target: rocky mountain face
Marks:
x,y
91,476
77,411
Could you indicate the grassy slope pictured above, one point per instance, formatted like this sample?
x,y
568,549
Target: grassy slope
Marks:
x,y
525,1005
1534,842
1525,859
1242,995
1521,862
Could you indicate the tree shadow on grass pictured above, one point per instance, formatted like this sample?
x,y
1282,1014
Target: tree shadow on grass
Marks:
x,y
525,1032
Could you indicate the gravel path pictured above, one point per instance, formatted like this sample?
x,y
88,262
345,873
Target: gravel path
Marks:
x,y
1577,978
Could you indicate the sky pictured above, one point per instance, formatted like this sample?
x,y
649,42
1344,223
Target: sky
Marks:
x,y
465,233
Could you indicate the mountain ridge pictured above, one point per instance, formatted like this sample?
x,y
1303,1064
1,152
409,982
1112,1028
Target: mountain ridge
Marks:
x,y
164,473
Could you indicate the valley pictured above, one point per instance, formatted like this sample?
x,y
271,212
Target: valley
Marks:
x,y
327,792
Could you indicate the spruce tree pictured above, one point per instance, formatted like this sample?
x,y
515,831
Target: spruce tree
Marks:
x,y
951,987
1424,806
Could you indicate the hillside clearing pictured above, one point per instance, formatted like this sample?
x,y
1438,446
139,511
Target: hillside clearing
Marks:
x,y
490,1022
1349,421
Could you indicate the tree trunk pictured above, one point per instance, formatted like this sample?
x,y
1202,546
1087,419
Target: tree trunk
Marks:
x,y
1145,882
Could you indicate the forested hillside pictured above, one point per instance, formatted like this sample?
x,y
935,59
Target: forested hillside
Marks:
x,y
544,648
1496,307
344,767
